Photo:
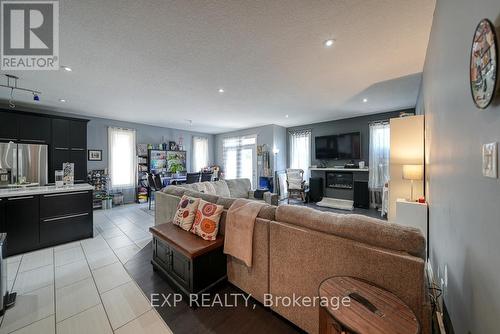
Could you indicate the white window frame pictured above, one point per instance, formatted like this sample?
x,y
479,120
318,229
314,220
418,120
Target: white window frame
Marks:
x,y
300,150
236,145
200,153
122,157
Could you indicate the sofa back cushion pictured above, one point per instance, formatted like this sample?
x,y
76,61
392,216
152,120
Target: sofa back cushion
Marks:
x,y
203,196
239,188
174,190
356,227
221,188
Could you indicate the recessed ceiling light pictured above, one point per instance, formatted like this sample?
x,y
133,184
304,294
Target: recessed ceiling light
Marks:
x,y
66,68
329,43
221,90
286,116
365,100
62,100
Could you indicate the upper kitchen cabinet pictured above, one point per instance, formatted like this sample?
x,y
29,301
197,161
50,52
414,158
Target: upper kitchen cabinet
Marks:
x,y
60,134
34,129
8,126
78,135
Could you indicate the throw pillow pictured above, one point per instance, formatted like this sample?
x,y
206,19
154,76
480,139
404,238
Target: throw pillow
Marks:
x,y
186,210
206,221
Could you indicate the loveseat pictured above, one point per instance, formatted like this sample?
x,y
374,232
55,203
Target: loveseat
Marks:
x,y
295,248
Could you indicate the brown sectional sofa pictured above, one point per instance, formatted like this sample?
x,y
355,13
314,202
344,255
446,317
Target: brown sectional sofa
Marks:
x,y
295,248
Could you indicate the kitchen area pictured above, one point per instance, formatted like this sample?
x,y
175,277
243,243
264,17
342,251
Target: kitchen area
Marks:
x,y
36,209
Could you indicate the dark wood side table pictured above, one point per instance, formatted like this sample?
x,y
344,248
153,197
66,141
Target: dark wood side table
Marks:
x,y
371,310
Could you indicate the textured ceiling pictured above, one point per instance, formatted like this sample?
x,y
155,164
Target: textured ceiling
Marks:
x,y
162,62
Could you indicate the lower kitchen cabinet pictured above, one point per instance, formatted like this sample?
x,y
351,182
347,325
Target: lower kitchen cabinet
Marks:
x,y
21,223
37,221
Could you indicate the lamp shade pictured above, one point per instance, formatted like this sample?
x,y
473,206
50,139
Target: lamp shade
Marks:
x,y
413,172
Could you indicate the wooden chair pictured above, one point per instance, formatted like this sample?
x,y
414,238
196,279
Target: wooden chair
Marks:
x,y
296,186
192,178
206,176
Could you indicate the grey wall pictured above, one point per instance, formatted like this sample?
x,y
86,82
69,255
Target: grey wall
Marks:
x,y
356,124
464,206
145,134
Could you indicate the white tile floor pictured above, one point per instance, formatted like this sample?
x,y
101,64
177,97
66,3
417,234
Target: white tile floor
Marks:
x,y
82,287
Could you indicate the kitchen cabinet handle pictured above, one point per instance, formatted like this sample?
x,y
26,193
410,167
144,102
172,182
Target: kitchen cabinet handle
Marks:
x,y
78,149
17,198
62,148
9,139
33,140
66,217
67,194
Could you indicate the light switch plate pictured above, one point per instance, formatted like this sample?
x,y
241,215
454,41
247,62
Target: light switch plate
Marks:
x,y
490,168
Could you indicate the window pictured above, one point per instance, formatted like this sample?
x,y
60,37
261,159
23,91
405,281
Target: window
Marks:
x,y
300,150
200,153
122,167
379,161
239,157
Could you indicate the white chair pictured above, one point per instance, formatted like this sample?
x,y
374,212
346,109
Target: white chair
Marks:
x,y
295,183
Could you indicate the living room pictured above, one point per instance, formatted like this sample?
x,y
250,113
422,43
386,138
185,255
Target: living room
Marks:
x,y
272,166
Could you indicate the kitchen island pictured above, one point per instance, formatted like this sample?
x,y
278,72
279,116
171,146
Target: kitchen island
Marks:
x,y
39,217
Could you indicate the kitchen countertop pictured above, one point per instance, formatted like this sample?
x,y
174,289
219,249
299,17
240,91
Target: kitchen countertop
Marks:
x,y
28,191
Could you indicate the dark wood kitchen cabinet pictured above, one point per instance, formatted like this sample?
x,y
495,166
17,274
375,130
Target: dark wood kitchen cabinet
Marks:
x,y
45,220
79,158
78,135
21,223
69,144
8,126
34,129
65,217
60,133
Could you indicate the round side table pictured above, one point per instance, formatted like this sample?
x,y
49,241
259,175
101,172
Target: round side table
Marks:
x,y
369,309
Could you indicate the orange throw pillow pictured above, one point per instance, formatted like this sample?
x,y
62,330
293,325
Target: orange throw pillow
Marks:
x,y
186,210
206,220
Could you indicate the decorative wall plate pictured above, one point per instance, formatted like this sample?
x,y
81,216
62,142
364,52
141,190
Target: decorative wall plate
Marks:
x,y
483,64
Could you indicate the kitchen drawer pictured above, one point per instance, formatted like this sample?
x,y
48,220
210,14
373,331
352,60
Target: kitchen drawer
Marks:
x,y
61,204
66,228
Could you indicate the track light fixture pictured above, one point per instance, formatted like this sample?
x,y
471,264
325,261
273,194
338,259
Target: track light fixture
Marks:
x,y
12,85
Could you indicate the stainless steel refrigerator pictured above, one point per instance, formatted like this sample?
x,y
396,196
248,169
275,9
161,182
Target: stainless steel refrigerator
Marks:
x,y
23,164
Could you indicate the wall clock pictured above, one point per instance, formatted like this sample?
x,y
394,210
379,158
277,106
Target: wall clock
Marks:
x,y
483,64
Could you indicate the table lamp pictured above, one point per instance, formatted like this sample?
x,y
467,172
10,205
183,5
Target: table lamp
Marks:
x,y
413,173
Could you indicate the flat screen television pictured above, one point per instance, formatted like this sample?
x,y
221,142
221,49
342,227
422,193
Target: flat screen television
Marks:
x,y
345,146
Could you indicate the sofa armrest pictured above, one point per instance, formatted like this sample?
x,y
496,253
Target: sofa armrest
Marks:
x,y
271,198
165,207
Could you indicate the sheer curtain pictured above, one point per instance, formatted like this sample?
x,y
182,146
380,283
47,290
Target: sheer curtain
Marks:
x,y
300,150
200,153
379,161
239,156
122,157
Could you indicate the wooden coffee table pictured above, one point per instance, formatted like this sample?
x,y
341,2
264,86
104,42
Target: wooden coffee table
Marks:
x,y
371,310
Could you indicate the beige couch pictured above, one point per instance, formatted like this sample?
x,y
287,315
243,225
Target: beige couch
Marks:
x,y
295,248
167,199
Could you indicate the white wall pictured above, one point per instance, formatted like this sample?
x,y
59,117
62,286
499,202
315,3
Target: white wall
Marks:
x,y
464,206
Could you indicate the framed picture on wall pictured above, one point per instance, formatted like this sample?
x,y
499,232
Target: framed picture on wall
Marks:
x,y
95,155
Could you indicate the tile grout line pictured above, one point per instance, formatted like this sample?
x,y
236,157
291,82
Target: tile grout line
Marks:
x,y
55,292
100,298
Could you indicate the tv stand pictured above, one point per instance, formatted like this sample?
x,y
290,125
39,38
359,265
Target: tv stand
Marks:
x,y
345,184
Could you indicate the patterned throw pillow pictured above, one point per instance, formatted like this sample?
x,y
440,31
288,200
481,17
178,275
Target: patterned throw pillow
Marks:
x,y
206,220
186,210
